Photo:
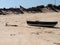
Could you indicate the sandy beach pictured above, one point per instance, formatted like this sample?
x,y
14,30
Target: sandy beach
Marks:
x,y
23,34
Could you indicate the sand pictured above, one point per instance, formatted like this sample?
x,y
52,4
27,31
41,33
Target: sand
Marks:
x,y
22,34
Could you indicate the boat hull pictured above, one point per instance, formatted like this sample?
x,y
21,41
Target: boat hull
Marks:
x,y
41,23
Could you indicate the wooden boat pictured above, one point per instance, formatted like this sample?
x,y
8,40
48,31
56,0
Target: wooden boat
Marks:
x,y
42,23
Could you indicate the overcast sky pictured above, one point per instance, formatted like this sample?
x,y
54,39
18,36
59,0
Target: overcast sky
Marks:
x,y
26,3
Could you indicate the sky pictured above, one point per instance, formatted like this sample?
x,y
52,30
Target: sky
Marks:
x,y
26,3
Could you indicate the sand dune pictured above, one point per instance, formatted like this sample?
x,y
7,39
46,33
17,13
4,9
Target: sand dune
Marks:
x,y
38,9
28,35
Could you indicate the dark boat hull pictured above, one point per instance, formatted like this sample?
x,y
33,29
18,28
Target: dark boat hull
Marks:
x,y
41,23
